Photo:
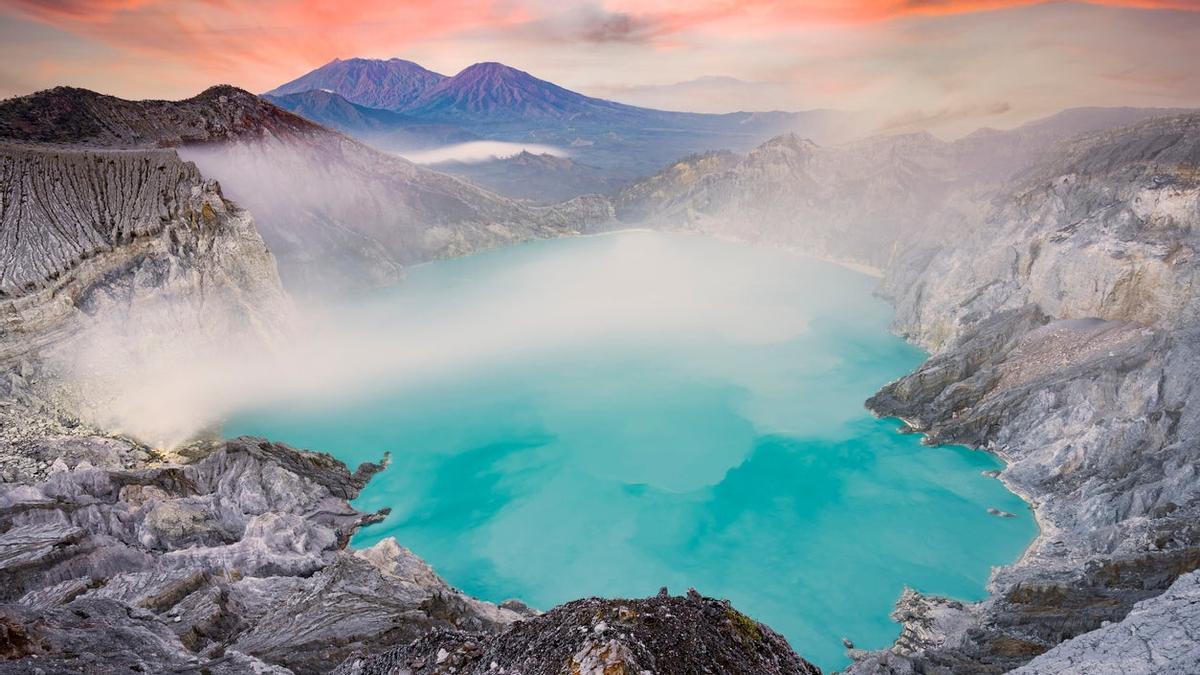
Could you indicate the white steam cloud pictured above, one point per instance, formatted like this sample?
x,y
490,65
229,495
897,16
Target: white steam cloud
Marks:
x,y
474,152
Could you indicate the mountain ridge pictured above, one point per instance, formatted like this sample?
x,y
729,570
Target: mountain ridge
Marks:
x,y
496,92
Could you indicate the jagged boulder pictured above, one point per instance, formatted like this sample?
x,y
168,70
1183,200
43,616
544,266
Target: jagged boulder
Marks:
x,y
663,635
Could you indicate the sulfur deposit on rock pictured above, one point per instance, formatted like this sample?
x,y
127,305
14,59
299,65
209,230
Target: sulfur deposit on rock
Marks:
x,y
233,563
663,635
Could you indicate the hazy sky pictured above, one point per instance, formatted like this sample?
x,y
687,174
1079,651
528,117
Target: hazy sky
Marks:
x,y
951,64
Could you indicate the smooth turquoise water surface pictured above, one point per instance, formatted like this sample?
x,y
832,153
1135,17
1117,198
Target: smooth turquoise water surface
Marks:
x,y
668,410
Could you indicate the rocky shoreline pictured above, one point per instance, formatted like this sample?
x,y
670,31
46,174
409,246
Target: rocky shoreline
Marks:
x,y
1053,280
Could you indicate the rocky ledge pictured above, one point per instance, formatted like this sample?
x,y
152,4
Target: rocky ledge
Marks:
x,y
235,562
1065,337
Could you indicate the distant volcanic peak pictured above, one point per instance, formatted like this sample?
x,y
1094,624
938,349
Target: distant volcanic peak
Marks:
x,y
495,91
494,69
376,83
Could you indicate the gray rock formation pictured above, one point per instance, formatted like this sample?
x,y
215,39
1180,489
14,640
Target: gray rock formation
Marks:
x,y
236,562
1059,301
663,635
85,234
1064,331
871,201
132,244
1160,635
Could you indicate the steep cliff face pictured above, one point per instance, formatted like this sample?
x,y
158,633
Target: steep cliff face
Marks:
x,y
337,214
872,201
113,255
1065,337
1101,229
121,236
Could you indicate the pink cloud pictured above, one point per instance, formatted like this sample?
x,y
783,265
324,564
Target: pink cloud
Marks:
x,y
851,53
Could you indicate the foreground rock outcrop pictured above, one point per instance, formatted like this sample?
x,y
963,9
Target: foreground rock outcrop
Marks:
x,y
1160,635
236,562
664,635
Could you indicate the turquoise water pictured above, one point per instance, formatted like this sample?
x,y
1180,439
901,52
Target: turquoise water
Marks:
x,y
661,410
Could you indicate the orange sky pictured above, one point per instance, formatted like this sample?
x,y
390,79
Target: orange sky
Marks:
x,y
917,58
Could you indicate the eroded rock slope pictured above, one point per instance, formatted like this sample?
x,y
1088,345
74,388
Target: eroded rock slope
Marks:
x,y
91,232
135,245
1065,336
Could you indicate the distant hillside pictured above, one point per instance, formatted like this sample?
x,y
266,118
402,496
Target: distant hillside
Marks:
x,y
82,117
869,200
378,127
